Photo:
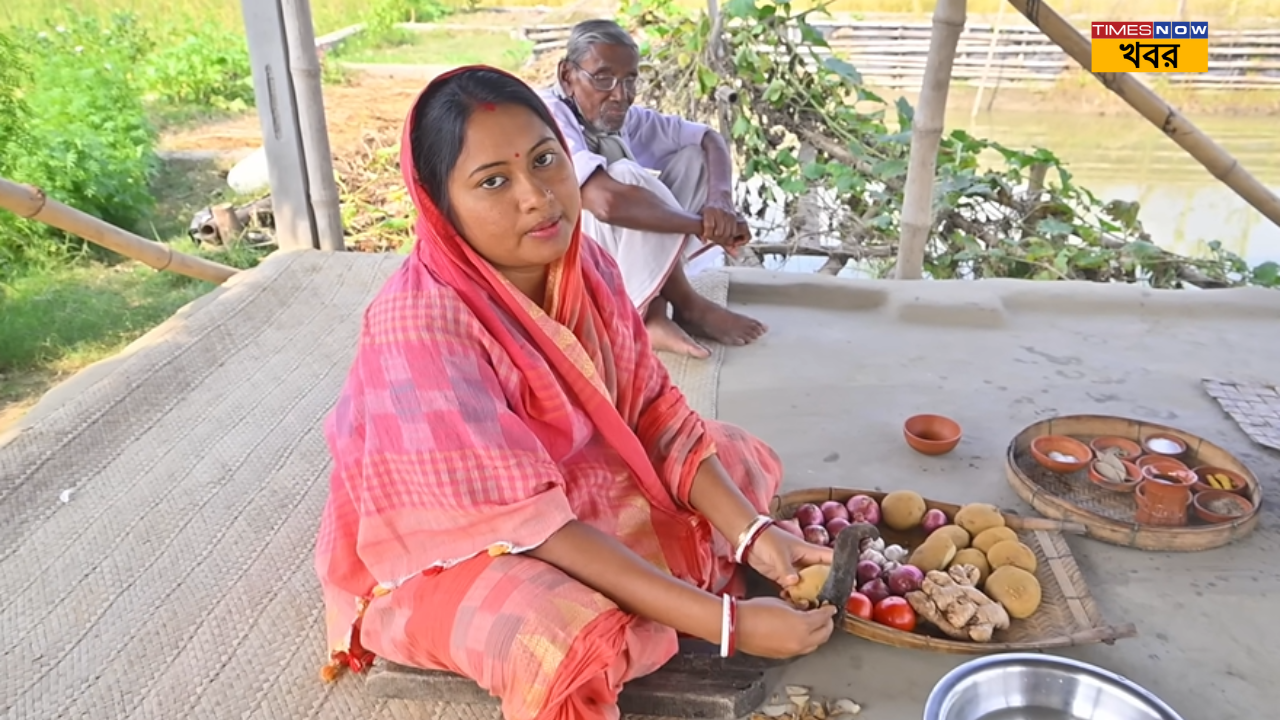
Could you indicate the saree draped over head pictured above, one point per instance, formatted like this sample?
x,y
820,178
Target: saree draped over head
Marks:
x,y
472,426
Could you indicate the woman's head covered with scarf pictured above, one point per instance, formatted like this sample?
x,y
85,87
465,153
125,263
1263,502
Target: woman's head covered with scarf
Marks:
x,y
486,166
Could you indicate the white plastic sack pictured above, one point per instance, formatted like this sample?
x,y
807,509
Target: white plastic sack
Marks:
x,y
250,176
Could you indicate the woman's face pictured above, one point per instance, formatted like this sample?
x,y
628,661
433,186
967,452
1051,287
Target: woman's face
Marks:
x,y
514,194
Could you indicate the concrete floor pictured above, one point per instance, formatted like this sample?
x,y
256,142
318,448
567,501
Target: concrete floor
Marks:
x,y
845,362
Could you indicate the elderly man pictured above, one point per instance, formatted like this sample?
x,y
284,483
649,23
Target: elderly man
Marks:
x,y
650,223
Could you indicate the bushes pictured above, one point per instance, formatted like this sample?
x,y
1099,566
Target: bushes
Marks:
x,y
207,68
84,136
77,109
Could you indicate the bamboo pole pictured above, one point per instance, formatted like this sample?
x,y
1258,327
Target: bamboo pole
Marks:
x,y
1208,153
986,68
926,133
304,68
31,203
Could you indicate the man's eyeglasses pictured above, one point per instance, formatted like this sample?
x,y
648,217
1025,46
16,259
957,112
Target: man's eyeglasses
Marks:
x,y
606,83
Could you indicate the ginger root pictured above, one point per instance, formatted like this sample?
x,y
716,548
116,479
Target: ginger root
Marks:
x,y
950,601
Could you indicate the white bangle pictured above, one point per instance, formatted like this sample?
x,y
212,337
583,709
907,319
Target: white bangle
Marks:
x,y
748,535
724,626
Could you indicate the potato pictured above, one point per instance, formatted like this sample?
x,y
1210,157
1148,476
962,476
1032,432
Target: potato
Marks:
x,y
976,517
987,539
805,593
958,535
974,557
936,553
902,509
1016,589
1012,552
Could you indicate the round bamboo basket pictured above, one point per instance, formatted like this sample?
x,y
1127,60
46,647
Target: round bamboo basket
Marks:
x,y
1068,615
1109,516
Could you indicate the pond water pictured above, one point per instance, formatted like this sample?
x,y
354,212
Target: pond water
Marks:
x,y
1125,157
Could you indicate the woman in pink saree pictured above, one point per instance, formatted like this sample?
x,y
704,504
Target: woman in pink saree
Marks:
x,y
520,495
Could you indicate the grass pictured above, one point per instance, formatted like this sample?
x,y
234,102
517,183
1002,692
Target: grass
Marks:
x,y
55,322
452,47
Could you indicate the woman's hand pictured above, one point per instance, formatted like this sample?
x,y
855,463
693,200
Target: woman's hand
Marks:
x,y
778,555
772,628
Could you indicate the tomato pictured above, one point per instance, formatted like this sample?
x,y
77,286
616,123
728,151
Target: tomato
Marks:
x,y
859,606
895,612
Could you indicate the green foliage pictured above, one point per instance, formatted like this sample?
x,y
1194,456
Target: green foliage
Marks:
x,y
205,68
87,140
380,21
78,103
809,128
14,113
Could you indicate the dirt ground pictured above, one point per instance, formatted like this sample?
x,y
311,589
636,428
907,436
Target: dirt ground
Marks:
x,y
366,103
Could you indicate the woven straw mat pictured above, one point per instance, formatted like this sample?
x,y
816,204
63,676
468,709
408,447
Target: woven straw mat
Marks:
x,y
156,559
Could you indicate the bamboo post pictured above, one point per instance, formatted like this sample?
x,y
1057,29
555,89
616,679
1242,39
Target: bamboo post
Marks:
x,y
295,227
926,134
1151,106
304,68
986,68
31,203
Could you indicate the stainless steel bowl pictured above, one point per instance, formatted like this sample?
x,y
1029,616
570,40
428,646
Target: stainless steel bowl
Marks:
x,y
1029,686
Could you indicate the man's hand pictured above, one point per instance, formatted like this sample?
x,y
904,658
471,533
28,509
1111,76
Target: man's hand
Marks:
x,y
741,233
719,220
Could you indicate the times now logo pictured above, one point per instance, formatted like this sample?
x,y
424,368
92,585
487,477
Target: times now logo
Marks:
x,y
1181,30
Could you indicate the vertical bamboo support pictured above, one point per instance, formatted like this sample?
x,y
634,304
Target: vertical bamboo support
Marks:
x,y
304,68
926,134
295,228
986,69
1151,106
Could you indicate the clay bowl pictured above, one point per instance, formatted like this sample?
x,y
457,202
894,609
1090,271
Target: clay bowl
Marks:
x,y
1209,506
1132,474
1129,450
1159,463
1154,445
931,434
1238,484
1045,444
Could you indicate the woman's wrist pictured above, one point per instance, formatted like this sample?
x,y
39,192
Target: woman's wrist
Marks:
x,y
748,537
716,498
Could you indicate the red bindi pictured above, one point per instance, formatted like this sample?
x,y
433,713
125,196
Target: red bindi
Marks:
x,y
517,154
489,107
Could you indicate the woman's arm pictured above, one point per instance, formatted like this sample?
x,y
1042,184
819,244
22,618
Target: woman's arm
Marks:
x,y
767,627
720,501
603,563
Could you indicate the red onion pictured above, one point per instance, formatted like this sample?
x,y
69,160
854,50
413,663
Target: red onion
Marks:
x,y
832,510
867,571
904,579
863,508
835,525
933,520
791,526
875,590
809,514
817,535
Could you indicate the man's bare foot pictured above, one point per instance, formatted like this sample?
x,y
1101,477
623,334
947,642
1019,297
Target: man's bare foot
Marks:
x,y
664,334
705,318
